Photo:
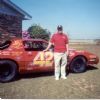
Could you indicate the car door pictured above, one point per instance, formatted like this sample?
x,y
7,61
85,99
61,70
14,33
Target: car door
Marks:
x,y
36,59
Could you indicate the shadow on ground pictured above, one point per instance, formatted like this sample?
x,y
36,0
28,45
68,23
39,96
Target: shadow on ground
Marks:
x,y
46,74
91,68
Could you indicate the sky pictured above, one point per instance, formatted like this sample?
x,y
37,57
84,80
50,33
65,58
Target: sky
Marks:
x,y
80,18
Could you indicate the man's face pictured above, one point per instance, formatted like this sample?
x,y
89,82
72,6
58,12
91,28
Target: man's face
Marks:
x,y
60,31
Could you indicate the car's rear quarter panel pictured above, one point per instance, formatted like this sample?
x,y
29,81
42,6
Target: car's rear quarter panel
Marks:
x,y
14,52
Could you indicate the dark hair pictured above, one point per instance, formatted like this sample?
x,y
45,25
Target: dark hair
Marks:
x,y
60,28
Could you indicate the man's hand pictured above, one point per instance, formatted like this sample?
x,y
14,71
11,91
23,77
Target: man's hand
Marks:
x,y
50,44
45,50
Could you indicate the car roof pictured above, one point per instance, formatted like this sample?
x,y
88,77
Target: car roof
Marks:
x,y
35,40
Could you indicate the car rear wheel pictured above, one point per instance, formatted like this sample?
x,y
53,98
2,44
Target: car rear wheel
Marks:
x,y
8,70
78,65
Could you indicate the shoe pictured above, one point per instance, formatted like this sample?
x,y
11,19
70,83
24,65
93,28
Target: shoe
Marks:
x,y
57,78
63,77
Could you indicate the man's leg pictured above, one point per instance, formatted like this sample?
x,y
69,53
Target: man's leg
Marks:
x,y
63,65
57,58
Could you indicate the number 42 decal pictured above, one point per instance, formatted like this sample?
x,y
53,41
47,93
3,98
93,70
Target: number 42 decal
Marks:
x,y
43,59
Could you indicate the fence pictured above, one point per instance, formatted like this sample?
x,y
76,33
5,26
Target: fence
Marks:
x,y
84,41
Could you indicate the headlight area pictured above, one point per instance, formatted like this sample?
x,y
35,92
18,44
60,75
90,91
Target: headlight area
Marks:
x,y
93,59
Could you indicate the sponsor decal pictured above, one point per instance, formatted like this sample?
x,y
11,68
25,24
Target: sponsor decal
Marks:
x,y
16,53
17,44
5,53
43,59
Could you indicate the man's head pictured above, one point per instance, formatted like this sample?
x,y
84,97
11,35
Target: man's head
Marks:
x,y
60,29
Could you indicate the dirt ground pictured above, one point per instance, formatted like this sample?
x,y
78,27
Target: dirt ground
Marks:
x,y
34,86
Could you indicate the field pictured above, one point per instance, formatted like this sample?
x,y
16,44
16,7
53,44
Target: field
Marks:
x,y
36,86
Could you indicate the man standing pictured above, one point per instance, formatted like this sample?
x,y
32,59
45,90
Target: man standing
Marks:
x,y
60,42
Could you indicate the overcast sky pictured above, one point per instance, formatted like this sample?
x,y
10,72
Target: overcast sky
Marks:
x,y
80,18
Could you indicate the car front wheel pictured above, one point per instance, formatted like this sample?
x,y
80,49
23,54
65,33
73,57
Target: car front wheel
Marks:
x,y
78,65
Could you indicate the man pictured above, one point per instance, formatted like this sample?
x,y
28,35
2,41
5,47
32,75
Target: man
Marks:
x,y
60,42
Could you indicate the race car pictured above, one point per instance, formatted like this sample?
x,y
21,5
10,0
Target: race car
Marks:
x,y
27,56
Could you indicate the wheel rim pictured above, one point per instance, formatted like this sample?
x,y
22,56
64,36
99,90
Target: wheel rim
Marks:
x,y
5,71
79,65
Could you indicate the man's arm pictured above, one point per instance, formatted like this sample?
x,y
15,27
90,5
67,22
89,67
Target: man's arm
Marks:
x,y
48,47
67,46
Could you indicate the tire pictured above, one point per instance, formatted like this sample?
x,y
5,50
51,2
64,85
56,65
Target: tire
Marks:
x,y
8,70
78,65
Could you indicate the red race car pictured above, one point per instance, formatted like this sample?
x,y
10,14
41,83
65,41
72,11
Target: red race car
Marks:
x,y
27,56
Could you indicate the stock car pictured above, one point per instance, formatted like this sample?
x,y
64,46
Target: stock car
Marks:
x,y
27,56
